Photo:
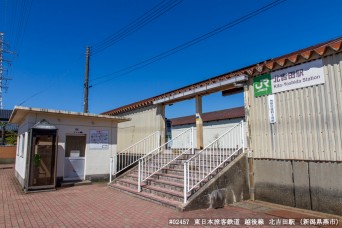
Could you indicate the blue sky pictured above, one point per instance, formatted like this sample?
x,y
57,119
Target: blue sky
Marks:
x,y
48,70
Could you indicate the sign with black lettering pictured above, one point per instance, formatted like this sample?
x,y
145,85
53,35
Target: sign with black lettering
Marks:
x,y
271,109
300,76
304,75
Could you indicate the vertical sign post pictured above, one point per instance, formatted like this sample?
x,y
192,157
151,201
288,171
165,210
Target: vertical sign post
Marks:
x,y
271,109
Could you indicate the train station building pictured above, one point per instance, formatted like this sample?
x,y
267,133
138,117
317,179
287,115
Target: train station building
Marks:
x,y
293,115
285,147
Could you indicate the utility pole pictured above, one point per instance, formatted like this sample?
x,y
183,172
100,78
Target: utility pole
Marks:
x,y
2,69
86,82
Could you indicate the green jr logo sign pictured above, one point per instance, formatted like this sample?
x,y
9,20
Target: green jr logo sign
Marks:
x,y
262,85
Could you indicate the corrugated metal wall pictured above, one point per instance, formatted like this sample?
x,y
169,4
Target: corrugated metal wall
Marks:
x,y
143,122
210,131
309,120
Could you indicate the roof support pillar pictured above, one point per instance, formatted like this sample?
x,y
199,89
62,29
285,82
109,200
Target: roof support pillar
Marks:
x,y
199,122
161,119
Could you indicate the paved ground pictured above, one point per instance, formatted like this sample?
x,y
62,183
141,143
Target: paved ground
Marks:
x,y
97,205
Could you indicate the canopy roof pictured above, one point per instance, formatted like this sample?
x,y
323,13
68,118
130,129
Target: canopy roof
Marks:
x,y
20,112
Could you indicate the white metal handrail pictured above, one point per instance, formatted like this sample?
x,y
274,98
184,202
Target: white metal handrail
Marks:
x,y
207,161
132,154
162,156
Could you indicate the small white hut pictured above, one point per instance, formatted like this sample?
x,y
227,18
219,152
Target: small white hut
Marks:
x,y
55,146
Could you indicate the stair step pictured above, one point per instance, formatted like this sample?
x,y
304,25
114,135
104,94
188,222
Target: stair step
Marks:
x,y
163,192
161,183
128,183
179,173
170,175
150,197
166,184
166,187
161,176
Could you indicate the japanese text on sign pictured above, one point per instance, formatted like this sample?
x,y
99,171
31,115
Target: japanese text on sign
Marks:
x,y
99,139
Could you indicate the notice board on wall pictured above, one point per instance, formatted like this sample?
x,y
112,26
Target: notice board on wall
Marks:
x,y
99,139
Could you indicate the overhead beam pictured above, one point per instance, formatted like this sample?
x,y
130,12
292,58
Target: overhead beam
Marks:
x,y
232,91
227,84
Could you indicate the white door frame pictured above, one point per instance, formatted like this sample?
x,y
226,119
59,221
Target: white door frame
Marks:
x,y
78,158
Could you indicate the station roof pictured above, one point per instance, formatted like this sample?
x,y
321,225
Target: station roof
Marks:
x,y
5,114
232,113
20,112
304,55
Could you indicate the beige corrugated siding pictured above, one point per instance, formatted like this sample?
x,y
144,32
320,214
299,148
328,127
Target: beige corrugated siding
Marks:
x,y
309,120
143,122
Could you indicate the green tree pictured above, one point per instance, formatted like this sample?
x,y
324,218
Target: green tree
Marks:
x,y
3,132
11,138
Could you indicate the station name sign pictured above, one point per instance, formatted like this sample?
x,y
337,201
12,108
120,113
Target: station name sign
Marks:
x,y
291,78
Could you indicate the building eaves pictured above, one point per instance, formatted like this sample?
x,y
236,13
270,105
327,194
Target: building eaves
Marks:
x,y
297,57
19,112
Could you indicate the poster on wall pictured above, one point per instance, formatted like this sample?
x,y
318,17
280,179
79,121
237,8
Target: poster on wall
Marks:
x,y
99,139
300,76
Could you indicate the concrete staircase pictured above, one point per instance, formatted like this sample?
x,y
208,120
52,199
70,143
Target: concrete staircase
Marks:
x,y
165,187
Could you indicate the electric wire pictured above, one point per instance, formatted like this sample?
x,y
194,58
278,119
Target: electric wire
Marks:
x,y
109,38
140,22
26,10
15,10
142,64
54,82
149,16
16,17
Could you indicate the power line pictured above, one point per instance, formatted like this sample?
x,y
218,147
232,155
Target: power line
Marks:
x,y
54,82
190,43
13,18
26,10
151,15
14,24
16,16
157,11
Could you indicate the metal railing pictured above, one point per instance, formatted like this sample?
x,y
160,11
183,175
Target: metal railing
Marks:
x,y
132,154
200,166
162,156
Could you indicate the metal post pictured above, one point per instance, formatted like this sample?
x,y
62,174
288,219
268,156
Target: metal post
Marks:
x,y
242,137
158,139
110,169
185,183
192,141
139,177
